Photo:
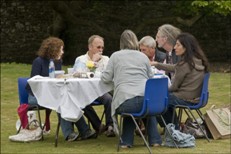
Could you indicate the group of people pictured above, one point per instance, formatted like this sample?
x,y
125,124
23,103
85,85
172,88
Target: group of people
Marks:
x,y
128,69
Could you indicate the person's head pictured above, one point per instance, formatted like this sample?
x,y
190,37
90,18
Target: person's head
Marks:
x,y
188,47
128,40
95,44
147,45
166,36
51,48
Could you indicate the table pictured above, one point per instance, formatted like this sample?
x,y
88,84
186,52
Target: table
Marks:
x,y
67,96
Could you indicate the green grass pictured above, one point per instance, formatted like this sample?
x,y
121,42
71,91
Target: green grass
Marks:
x,y
219,87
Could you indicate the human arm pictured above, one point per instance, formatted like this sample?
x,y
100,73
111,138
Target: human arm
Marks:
x,y
165,67
179,76
108,73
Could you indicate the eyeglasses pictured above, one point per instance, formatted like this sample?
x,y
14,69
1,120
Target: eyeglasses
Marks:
x,y
100,47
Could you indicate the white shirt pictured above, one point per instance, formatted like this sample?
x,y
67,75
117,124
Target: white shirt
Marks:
x,y
80,63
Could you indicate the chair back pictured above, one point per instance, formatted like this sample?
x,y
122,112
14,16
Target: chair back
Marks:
x,y
155,97
23,94
204,93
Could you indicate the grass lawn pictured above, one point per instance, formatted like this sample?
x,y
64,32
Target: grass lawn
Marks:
x,y
219,87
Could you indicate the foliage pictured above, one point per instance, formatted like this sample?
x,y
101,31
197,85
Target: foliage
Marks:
x,y
191,8
222,7
219,87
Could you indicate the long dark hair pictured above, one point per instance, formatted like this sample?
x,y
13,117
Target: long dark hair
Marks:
x,y
193,49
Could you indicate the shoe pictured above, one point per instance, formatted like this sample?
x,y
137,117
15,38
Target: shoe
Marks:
x,y
125,146
72,137
89,134
155,145
46,132
110,132
102,129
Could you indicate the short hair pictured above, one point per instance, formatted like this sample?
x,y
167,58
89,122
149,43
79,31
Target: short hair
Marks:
x,y
50,47
170,32
148,41
128,40
91,38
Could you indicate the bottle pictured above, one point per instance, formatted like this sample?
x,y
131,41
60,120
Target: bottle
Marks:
x,y
51,69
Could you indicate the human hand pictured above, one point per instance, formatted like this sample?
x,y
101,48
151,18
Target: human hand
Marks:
x,y
97,56
153,63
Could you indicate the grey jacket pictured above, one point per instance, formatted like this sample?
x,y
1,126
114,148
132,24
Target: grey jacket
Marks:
x,y
186,83
129,70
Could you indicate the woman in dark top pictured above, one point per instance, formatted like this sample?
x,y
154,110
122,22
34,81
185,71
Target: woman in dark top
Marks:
x,y
52,48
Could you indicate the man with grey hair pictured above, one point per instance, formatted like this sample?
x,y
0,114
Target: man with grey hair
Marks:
x,y
148,46
166,39
95,54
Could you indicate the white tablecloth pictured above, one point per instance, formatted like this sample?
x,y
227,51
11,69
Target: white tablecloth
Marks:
x,y
67,96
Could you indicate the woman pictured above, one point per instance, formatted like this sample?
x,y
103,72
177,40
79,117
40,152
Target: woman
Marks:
x,y
52,48
188,73
129,69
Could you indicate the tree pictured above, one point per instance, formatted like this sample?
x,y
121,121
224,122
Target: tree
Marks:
x,y
199,8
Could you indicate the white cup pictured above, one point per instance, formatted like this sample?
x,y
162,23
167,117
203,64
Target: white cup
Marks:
x,y
58,73
90,74
70,70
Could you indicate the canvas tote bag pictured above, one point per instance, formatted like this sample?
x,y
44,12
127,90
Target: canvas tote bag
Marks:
x,y
219,122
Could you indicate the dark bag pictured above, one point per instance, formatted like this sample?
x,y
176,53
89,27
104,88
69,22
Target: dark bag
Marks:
x,y
190,127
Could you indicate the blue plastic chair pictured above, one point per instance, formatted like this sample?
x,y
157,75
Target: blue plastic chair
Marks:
x,y
202,103
23,99
155,104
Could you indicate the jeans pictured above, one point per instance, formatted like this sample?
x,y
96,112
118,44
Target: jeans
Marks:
x,y
32,100
135,105
172,102
92,116
67,126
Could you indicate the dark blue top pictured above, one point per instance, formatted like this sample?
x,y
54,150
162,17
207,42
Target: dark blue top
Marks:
x,y
40,66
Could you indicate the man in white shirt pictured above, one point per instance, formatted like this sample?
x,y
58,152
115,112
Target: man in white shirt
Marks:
x,y
95,54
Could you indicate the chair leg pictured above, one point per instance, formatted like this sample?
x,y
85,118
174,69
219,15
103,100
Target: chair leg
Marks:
x,y
19,128
199,125
120,132
57,133
137,126
168,131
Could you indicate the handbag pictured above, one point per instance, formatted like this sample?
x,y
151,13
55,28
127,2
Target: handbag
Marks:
x,y
219,122
28,135
191,127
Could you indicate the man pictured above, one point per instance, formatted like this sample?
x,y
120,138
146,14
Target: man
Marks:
x,y
147,45
95,54
166,39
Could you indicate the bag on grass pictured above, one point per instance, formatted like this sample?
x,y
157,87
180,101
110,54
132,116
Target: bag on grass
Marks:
x,y
28,135
182,140
219,122
191,127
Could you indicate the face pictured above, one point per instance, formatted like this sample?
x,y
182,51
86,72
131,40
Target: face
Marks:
x,y
97,46
161,40
149,52
60,53
179,49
